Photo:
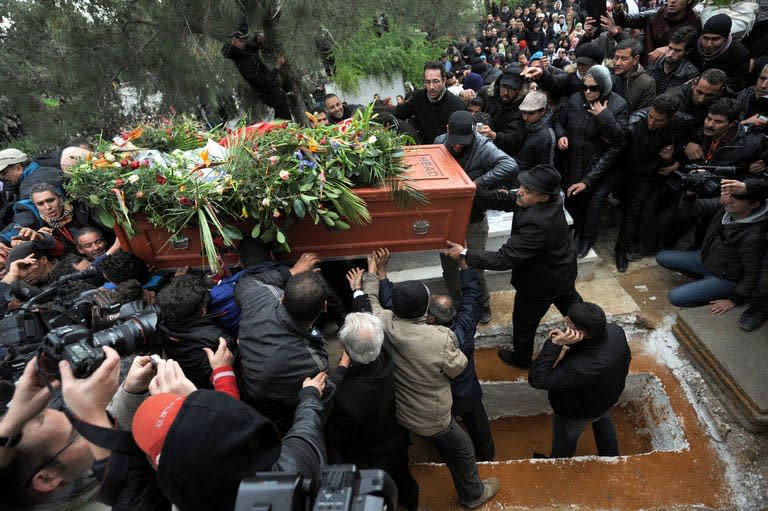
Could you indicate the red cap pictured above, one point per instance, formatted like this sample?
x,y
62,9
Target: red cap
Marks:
x,y
152,421
522,44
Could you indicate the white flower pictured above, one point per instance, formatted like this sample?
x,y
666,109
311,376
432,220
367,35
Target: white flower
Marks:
x,y
372,139
265,201
133,178
109,157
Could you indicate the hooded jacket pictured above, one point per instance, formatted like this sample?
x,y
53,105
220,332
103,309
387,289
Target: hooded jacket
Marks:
x,y
732,249
426,358
589,379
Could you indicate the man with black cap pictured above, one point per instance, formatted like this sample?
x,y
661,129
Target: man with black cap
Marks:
x,y
717,49
507,129
539,251
426,358
489,167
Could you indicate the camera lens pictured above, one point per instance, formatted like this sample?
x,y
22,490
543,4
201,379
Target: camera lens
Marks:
x,y
134,335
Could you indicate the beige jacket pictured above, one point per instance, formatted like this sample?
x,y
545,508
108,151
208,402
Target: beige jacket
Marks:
x,y
426,357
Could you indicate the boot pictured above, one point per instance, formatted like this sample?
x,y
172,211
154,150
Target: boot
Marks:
x,y
490,488
620,254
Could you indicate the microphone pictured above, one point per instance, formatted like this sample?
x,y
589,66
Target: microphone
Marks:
x,y
81,275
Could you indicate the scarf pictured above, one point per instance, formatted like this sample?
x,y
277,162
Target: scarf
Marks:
x,y
64,219
714,54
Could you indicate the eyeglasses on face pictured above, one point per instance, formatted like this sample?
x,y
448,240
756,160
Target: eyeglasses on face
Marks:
x,y
72,439
590,88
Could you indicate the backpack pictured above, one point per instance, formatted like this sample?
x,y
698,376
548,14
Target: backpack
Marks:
x,y
221,305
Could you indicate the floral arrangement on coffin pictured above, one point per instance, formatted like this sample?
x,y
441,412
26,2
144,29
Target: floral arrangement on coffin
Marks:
x,y
269,175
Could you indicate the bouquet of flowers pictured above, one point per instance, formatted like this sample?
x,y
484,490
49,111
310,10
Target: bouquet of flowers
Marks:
x,y
268,175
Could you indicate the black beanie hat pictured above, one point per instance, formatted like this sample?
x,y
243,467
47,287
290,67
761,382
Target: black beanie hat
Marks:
x,y
719,24
410,299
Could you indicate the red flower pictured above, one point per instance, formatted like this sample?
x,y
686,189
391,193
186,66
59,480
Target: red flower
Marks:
x,y
160,179
119,182
185,201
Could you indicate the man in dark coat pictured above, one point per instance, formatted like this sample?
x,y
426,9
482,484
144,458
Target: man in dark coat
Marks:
x,y
362,428
584,370
539,251
674,69
561,86
717,49
336,110
279,345
185,329
431,106
502,102
540,143
753,104
649,157
695,98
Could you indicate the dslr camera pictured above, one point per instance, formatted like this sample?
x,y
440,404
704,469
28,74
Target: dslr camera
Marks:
x,y
705,184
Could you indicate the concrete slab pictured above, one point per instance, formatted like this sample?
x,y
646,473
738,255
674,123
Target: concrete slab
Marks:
x,y
735,361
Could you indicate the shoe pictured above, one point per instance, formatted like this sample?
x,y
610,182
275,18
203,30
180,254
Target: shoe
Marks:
x,y
752,318
621,259
485,316
583,248
510,358
540,456
490,488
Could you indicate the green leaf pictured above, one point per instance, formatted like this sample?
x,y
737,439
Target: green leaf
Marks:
x,y
369,162
298,208
280,237
269,235
94,199
232,232
256,231
106,218
328,221
342,225
307,198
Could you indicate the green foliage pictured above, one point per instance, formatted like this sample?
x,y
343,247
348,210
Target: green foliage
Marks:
x,y
68,67
403,48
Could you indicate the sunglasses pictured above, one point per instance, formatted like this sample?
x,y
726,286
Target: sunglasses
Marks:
x,y
591,88
72,439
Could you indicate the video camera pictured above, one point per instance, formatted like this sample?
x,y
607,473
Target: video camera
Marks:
x,y
54,333
343,488
705,184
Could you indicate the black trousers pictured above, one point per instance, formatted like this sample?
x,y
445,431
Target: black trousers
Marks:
x,y
641,203
527,315
586,209
475,419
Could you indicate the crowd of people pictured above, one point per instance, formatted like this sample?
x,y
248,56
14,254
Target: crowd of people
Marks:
x,y
553,115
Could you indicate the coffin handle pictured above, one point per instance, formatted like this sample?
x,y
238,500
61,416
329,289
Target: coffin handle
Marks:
x,y
421,227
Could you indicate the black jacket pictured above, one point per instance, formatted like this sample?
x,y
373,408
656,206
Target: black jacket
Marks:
x,y
734,61
465,388
185,343
643,146
595,142
731,250
275,353
363,430
506,119
539,250
430,119
680,76
589,379
560,85
738,147
539,145
750,104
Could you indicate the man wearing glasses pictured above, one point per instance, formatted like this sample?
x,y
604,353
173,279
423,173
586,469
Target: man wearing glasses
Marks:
x,y
431,106
44,462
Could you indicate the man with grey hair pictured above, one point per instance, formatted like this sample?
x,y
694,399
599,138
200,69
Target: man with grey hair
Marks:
x,y
362,429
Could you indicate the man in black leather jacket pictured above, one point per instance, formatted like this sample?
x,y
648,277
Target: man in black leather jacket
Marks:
x,y
584,369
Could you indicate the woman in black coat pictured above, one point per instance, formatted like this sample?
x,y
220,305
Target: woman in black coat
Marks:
x,y
591,132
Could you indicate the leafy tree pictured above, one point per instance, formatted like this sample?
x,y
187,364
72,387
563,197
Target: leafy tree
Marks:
x,y
68,67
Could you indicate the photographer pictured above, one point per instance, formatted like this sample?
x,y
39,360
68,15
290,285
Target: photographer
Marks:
x,y
729,262
724,142
43,460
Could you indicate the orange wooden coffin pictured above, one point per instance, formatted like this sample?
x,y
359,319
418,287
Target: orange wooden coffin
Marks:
x,y
431,169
